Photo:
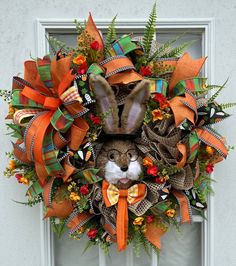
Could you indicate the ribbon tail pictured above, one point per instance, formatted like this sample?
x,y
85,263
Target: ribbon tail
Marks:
x,y
122,224
184,108
76,221
213,140
186,68
154,234
93,31
185,209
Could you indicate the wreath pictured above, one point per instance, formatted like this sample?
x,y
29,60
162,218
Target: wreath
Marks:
x,y
114,136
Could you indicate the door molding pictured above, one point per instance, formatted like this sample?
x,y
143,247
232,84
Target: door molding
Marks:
x,y
206,26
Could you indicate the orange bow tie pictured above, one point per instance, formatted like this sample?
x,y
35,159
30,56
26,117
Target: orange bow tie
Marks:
x,y
112,195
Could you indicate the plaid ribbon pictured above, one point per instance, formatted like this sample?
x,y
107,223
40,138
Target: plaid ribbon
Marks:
x,y
43,67
54,114
158,85
195,84
113,194
188,115
123,46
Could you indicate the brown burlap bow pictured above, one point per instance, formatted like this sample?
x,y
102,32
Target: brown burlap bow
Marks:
x,y
160,142
108,215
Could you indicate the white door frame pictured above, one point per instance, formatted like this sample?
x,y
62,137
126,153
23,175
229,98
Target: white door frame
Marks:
x,y
206,27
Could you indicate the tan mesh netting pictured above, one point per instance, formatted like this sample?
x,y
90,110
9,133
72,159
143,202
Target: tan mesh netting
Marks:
x,y
159,142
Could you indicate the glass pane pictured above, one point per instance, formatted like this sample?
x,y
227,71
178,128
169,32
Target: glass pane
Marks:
x,y
195,48
68,252
116,258
182,248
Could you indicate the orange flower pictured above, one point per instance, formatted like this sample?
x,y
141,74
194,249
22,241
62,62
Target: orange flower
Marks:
x,y
164,105
24,181
79,60
74,196
11,165
147,162
209,150
157,115
170,213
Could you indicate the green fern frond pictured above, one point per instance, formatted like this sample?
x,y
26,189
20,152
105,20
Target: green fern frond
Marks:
x,y
227,105
149,31
31,202
165,47
178,51
111,32
57,45
80,26
111,35
215,95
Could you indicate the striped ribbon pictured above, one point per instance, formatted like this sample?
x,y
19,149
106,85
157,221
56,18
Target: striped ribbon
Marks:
x,y
46,116
189,116
158,85
123,46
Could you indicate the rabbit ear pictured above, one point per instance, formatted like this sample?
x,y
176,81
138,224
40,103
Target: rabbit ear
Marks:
x,y
135,107
106,102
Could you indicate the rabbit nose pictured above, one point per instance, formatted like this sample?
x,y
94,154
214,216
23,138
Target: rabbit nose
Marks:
x,y
124,168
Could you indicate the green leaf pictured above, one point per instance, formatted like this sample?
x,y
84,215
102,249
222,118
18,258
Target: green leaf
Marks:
x,y
215,95
16,133
149,31
111,33
227,105
178,51
80,26
57,45
89,175
165,47
87,246
58,228
161,207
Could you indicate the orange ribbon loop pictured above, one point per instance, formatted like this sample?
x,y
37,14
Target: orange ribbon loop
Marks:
x,y
111,196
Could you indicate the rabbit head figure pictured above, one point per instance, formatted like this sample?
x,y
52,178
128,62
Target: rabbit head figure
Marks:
x,y
119,161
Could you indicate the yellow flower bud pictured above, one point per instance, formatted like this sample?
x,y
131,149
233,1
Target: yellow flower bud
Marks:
x,y
144,229
80,230
108,239
138,221
170,213
209,150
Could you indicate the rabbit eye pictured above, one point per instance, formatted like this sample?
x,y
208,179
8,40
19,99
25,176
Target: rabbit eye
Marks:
x,y
132,155
113,155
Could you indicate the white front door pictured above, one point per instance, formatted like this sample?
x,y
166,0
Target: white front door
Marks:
x,y
187,247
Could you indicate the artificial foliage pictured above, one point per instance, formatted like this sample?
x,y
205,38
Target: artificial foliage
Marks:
x,y
60,131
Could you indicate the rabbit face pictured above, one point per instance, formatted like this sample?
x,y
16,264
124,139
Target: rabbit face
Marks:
x,y
119,162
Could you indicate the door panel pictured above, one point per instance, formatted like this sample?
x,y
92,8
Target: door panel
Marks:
x,y
178,248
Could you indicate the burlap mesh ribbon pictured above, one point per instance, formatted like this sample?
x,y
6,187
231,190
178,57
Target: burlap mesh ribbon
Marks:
x,y
160,143
108,215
